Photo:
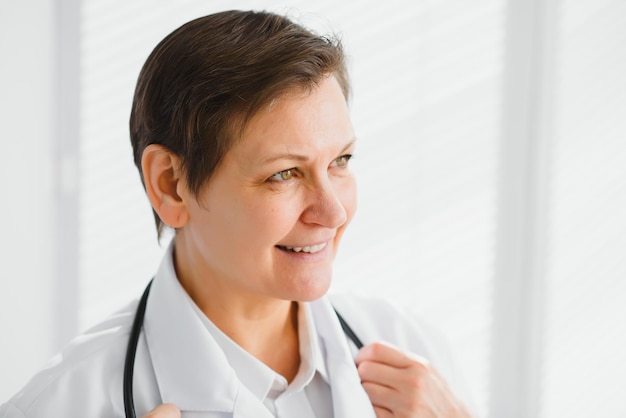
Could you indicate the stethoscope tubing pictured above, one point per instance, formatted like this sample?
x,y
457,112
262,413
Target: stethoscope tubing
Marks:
x,y
131,351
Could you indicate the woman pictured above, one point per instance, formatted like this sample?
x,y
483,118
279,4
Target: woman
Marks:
x,y
242,137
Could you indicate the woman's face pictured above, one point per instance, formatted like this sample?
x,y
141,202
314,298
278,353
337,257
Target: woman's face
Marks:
x,y
269,222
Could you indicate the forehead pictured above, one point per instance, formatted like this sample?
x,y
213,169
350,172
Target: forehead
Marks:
x,y
299,121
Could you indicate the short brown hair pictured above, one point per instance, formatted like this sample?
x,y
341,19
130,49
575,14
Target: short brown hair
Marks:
x,y
201,84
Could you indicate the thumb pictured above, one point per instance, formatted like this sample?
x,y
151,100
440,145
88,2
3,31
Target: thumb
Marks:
x,y
166,410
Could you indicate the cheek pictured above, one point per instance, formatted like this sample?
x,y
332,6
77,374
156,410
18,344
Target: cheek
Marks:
x,y
272,218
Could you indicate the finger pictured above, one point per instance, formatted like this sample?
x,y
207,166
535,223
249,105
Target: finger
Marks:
x,y
382,374
382,412
386,353
382,396
166,410
405,391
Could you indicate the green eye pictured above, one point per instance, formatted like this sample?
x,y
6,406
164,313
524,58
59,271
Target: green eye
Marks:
x,y
343,160
283,175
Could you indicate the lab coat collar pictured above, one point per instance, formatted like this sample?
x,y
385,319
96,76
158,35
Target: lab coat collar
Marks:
x,y
349,397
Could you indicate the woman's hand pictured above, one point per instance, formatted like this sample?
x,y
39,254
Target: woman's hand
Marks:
x,y
166,410
403,385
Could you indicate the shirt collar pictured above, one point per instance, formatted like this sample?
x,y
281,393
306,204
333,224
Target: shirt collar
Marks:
x,y
258,377
255,375
311,340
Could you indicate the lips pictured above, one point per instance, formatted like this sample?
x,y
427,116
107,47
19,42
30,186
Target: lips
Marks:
x,y
311,249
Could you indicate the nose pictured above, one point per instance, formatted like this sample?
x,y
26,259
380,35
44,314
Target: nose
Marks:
x,y
326,208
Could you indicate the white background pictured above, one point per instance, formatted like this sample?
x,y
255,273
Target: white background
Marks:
x,y
491,164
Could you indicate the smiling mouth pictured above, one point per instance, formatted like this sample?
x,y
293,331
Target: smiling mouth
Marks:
x,y
308,249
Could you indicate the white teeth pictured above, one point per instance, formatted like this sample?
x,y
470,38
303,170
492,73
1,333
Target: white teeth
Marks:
x,y
308,249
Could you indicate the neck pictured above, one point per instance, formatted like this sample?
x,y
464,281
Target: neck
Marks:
x,y
265,327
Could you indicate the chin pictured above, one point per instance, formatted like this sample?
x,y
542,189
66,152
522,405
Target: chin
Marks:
x,y
310,289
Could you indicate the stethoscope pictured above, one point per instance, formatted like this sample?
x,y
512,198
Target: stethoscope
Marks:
x,y
131,350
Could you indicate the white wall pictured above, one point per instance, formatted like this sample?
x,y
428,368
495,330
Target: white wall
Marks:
x,y
27,126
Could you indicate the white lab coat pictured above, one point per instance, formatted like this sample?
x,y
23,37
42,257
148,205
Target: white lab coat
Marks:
x,y
178,362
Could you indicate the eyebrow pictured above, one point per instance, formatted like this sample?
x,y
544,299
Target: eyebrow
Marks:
x,y
297,157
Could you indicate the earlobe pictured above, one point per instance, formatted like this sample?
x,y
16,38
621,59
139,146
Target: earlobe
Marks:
x,y
163,182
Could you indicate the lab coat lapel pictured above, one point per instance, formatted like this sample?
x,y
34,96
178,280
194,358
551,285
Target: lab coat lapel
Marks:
x,y
192,371
349,397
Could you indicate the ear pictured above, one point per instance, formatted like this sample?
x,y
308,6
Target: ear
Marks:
x,y
164,185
